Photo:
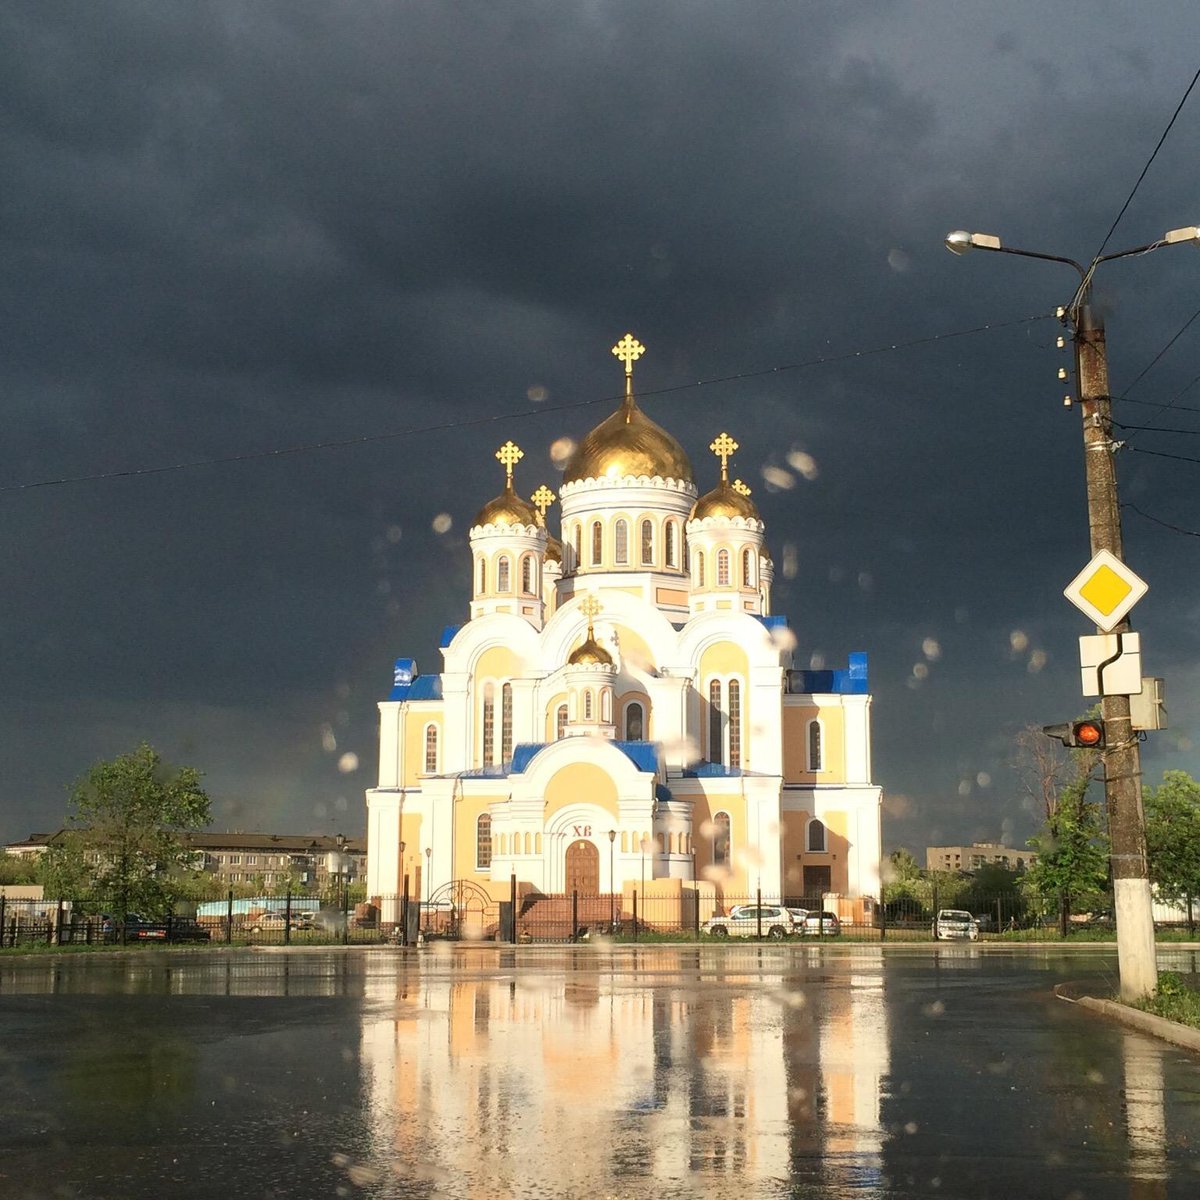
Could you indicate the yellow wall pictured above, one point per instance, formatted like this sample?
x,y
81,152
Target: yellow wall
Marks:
x,y
415,720
413,858
704,808
796,856
795,743
467,810
551,718
581,783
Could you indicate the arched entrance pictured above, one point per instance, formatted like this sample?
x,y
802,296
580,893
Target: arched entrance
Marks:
x,y
583,868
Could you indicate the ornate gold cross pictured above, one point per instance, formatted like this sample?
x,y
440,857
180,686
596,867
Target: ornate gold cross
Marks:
x,y
542,499
591,608
723,447
510,454
740,488
629,350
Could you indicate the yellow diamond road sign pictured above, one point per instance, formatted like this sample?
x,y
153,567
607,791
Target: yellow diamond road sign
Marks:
x,y
1105,590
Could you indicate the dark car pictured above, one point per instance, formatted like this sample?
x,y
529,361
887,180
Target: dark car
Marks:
x,y
170,929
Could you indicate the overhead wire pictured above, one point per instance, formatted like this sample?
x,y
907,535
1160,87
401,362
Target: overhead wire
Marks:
x,y
1159,521
511,415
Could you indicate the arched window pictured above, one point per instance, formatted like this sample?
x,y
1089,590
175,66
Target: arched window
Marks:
x,y
597,543
722,568
482,575
716,749
489,722
503,583
816,837
671,537
506,723
647,543
606,706
527,574
747,569
621,540
483,842
633,722
560,721
735,723
815,749
699,568
578,547
431,749
720,840
587,706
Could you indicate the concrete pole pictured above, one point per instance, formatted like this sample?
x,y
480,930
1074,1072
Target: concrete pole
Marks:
x,y
1122,757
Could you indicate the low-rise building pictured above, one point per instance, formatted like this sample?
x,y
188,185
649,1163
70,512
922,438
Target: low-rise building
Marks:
x,y
976,855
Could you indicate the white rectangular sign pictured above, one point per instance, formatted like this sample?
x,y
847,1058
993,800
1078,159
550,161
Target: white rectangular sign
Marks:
x,y
1111,664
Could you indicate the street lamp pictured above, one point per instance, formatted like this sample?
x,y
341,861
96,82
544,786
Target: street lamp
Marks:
x,y
1122,757
428,878
612,883
341,871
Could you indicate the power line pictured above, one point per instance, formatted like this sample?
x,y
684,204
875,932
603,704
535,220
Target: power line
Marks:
x,y
1146,168
516,414
1145,370
1163,454
1159,521
1152,429
1159,404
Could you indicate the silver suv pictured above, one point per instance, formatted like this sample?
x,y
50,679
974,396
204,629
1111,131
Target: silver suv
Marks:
x,y
952,923
745,919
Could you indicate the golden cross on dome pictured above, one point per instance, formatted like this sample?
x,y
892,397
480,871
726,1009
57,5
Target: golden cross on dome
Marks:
x,y
591,608
629,350
542,499
510,454
723,447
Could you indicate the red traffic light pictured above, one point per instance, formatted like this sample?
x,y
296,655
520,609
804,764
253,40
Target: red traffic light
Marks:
x,y
1080,735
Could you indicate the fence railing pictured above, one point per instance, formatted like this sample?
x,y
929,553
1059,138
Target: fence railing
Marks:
x,y
468,914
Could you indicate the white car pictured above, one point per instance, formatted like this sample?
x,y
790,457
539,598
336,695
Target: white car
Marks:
x,y
746,919
955,923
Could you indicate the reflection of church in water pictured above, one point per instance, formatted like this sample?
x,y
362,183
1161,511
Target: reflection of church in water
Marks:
x,y
745,1082
620,710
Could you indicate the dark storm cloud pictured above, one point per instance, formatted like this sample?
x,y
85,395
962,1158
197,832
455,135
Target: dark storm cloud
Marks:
x,y
230,228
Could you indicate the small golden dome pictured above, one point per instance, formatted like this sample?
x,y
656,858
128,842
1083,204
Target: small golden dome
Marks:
x,y
724,501
506,509
590,654
554,549
628,443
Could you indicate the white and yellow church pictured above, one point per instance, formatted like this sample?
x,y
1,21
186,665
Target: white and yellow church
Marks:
x,y
620,711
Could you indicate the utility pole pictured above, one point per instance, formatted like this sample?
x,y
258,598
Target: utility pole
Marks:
x,y
1122,757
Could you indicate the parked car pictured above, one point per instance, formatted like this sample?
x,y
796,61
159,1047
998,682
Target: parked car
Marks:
x,y
955,923
278,921
799,916
169,929
746,919
821,924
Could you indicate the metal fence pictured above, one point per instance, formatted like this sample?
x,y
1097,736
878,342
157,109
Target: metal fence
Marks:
x,y
462,911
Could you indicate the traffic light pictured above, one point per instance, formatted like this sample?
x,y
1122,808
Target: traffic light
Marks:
x,y
1083,735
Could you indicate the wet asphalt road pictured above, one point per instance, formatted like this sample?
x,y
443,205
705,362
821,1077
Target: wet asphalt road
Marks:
x,y
662,1071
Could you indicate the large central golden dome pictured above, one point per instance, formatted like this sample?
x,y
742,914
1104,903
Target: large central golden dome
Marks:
x,y
628,443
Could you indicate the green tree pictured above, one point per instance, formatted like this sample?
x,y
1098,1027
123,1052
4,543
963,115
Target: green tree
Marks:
x,y
17,868
126,846
1173,836
1072,850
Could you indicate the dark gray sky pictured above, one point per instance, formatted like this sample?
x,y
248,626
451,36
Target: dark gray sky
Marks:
x,y
232,228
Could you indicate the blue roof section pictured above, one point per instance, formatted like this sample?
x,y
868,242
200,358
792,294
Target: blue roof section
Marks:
x,y
711,770
779,622
643,755
494,771
853,681
409,684
449,632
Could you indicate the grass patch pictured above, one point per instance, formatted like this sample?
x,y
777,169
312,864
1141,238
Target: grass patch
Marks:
x,y
1174,1000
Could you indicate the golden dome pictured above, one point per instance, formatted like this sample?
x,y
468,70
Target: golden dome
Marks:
x,y
628,443
506,509
724,501
554,549
590,654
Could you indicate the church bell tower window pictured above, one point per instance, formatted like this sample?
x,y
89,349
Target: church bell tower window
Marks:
x,y
722,568
621,540
506,718
647,543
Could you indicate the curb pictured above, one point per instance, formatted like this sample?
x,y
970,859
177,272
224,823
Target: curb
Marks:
x,y
1144,1022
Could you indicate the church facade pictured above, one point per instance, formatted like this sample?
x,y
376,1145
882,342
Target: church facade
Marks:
x,y
620,711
